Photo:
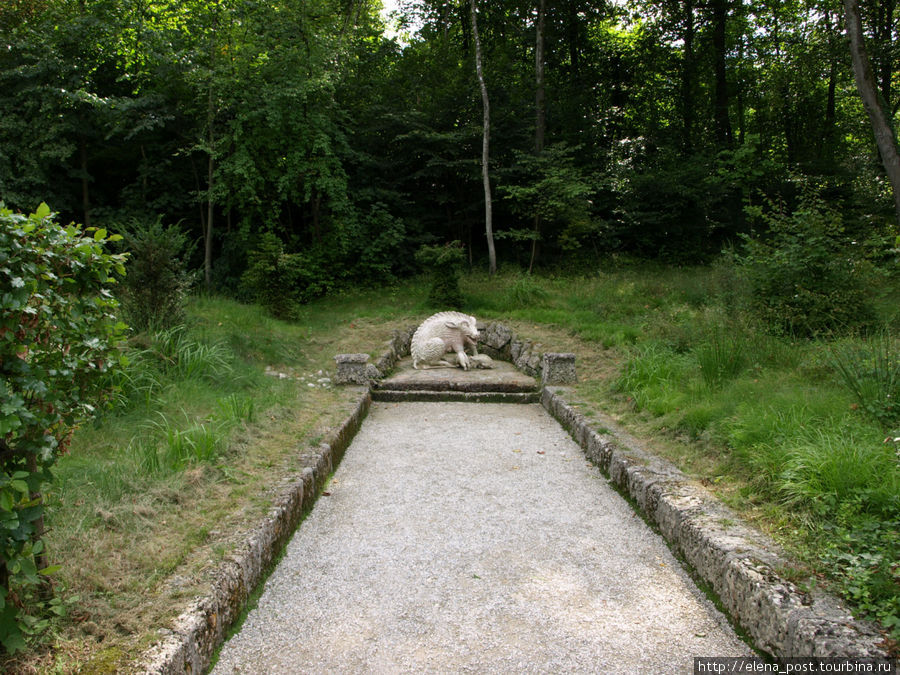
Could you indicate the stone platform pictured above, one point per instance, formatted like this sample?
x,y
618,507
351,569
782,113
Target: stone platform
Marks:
x,y
501,384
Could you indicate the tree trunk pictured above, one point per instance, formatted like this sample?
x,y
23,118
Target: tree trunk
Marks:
x,y
868,91
741,106
539,103
687,77
485,145
884,34
828,140
208,230
210,123
724,134
540,113
85,183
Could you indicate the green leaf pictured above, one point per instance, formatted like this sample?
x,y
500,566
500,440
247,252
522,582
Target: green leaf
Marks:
x,y
42,211
50,570
100,235
19,486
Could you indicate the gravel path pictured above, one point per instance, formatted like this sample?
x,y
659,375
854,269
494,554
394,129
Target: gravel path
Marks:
x,y
461,537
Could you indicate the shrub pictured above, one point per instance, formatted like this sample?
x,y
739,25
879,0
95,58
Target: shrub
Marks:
x,y
153,294
444,263
805,278
58,335
282,281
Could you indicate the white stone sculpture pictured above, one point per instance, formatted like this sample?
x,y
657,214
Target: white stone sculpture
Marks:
x,y
442,333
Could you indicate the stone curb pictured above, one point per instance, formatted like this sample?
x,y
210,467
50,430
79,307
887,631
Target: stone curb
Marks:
x,y
446,395
740,565
200,630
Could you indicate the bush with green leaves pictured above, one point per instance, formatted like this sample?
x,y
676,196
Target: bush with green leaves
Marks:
x,y
59,334
443,263
551,196
805,277
281,281
154,291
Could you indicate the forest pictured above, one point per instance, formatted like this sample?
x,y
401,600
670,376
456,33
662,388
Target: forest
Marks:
x,y
647,131
699,197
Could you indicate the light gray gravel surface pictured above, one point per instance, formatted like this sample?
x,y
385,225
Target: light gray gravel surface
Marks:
x,y
460,537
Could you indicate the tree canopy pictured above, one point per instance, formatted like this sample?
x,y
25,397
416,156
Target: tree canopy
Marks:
x,y
659,122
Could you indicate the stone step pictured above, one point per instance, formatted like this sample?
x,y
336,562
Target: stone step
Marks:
x,y
503,378
421,395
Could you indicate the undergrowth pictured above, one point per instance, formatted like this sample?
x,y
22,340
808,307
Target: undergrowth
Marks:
x,y
181,459
798,434
802,433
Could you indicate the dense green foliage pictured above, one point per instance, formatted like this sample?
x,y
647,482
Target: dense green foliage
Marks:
x,y
805,275
58,335
155,289
303,120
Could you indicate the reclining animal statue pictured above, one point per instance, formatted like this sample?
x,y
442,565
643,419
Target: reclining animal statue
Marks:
x,y
442,333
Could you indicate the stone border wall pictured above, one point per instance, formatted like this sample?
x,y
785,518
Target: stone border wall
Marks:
x,y
741,566
189,646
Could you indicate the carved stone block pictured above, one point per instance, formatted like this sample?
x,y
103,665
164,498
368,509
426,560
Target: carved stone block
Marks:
x,y
352,369
558,369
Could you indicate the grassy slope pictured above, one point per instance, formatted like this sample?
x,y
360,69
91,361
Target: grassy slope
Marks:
x,y
135,537
766,422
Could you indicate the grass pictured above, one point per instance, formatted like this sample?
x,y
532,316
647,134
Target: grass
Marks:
x,y
197,437
161,487
798,435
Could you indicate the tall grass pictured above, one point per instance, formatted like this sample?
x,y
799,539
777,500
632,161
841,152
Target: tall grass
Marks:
x,y
183,357
870,369
827,468
182,445
800,422
721,356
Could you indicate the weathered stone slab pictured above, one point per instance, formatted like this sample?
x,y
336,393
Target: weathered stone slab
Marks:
x,y
503,377
387,395
497,336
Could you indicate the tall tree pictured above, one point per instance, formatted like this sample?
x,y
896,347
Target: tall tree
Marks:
x,y
723,124
540,116
485,144
688,76
868,91
540,105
